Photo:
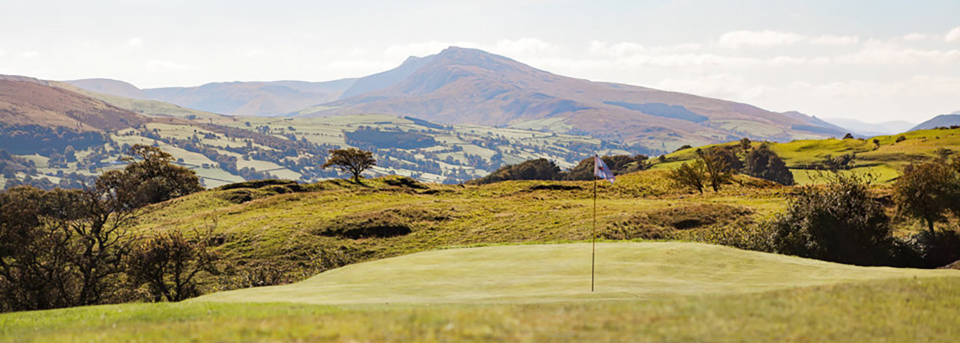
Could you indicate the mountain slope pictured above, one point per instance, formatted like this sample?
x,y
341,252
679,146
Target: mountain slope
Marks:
x,y
31,102
943,120
252,98
386,79
869,129
468,86
110,87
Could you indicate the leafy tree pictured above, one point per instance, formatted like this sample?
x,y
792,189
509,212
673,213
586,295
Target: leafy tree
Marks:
x,y
65,248
156,178
618,164
350,160
765,164
840,222
745,144
538,169
692,175
927,191
717,168
169,263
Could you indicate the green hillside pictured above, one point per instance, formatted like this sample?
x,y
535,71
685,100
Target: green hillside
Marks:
x,y
561,272
300,233
883,158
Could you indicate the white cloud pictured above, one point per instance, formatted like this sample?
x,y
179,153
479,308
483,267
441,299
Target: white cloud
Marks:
x,y
912,37
616,50
353,67
524,46
726,86
3,53
29,55
876,52
164,66
134,42
834,40
423,48
938,84
953,35
738,39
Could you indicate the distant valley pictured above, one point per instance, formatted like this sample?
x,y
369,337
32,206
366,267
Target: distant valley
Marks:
x,y
449,117
55,136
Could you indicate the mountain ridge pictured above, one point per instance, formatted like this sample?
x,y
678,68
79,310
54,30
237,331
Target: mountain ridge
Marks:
x,y
470,86
943,120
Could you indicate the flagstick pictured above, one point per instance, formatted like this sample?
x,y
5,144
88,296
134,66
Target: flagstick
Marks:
x,y
593,257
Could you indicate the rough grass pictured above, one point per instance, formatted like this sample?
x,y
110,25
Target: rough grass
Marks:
x,y
297,231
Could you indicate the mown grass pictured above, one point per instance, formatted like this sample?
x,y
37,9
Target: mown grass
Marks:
x,y
896,310
561,272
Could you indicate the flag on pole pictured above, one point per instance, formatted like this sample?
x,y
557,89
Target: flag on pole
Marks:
x,y
601,170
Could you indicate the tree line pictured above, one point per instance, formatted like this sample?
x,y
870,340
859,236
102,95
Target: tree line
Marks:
x,y
543,169
715,166
75,247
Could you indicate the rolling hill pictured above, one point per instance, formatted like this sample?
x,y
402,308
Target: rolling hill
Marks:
x,y
871,129
25,102
943,120
230,98
40,119
110,87
468,86
883,157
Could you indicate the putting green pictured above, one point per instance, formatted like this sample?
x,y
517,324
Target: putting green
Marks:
x,y
561,272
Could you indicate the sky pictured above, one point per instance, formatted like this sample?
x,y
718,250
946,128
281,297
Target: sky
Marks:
x,y
872,61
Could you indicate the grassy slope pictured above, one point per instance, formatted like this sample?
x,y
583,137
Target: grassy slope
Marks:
x,y
561,272
895,310
511,212
884,161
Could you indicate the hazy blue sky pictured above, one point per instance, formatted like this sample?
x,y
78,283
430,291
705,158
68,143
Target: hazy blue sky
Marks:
x,y
868,60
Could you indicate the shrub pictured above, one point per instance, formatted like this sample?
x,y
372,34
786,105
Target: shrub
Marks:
x,y
927,191
168,264
538,169
936,249
839,222
690,175
765,164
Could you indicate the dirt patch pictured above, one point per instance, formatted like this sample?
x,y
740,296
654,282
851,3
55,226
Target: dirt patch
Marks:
x,y
555,188
380,224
